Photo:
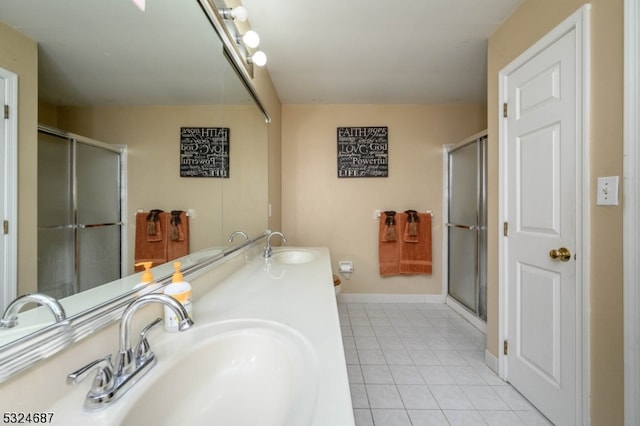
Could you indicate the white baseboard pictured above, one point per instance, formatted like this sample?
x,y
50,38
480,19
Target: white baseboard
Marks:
x,y
491,360
389,298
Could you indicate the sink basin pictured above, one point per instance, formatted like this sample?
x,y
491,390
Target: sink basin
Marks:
x,y
237,372
293,256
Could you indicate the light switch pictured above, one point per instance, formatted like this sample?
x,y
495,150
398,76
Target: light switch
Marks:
x,y
608,191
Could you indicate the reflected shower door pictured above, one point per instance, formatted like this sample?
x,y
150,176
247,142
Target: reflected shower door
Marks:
x,y
79,214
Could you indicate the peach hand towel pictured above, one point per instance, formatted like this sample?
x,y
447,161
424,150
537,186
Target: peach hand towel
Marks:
x,y
180,246
411,228
415,257
389,249
149,250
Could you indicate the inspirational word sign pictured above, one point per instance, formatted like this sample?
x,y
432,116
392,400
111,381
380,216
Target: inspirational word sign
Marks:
x,y
363,152
204,152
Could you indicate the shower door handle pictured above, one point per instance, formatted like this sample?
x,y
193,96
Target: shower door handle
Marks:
x,y
468,227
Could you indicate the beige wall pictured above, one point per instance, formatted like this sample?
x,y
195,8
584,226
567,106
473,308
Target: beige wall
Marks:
x,y
152,136
524,27
19,55
321,210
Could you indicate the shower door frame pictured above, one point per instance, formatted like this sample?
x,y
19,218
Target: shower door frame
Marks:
x,y
457,306
121,150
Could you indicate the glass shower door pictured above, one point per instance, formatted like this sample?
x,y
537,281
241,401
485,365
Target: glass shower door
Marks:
x,y
79,214
466,225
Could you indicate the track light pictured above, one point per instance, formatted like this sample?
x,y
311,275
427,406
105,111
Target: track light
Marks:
x,y
238,13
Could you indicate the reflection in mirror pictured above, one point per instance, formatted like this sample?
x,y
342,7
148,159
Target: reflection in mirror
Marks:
x,y
125,78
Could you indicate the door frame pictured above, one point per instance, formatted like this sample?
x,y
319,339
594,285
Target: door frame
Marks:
x,y
578,21
9,283
631,212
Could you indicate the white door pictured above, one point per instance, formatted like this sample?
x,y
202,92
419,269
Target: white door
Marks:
x,y
541,162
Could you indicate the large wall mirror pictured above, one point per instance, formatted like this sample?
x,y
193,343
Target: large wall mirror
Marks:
x,y
112,74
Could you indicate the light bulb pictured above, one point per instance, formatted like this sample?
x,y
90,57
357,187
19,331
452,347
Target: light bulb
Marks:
x,y
259,58
139,4
240,13
251,39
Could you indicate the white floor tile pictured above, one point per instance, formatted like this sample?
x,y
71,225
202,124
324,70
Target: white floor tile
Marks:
x,y
464,418
362,417
406,375
384,396
379,374
450,397
417,397
464,375
423,364
359,396
484,398
436,375
501,418
427,418
424,358
351,356
512,397
390,418
397,357
371,356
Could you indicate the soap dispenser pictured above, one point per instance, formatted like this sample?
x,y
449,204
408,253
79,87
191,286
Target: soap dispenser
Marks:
x,y
147,276
181,291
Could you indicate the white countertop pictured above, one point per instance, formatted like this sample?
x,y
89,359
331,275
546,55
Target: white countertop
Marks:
x,y
300,296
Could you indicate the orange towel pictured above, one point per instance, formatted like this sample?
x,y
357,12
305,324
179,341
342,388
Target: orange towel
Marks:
x,y
415,257
179,246
149,249
389,250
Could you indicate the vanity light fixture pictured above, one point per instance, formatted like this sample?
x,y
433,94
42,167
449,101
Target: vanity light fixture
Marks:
x,y
250,39
238,13
258,58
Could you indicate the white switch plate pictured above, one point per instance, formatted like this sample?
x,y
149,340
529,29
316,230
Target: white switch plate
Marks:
x,y
608,191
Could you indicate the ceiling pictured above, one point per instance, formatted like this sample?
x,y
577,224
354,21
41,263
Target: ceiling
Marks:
x,y
372,51
107,52
332,51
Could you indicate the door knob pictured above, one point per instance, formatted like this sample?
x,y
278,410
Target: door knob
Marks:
x,y
562,254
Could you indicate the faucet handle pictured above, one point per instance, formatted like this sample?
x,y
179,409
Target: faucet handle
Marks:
x,y
104,378
143,349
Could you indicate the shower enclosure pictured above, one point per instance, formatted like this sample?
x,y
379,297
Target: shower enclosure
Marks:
x,y
466,224
79,213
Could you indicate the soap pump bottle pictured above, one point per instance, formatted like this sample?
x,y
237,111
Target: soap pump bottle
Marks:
x,y
147,276
181,291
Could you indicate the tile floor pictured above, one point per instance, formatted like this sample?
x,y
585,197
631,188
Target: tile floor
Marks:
x,y
423,364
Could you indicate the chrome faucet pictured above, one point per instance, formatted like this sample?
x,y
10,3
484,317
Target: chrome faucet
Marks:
x,y
108,386
267,248
10,316
244,234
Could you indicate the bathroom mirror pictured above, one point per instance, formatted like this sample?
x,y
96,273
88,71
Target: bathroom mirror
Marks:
x,y
118,75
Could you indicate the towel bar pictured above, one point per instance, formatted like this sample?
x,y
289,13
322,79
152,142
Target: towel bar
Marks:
x,y
377,213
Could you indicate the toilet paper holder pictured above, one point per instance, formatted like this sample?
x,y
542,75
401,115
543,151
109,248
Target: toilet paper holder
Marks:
x,y
346,268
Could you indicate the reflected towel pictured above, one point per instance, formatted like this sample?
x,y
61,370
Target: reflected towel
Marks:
x,y
149,248
415,257
179,246
154,230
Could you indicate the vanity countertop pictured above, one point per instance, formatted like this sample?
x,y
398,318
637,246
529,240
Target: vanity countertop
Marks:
x,y
300,296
